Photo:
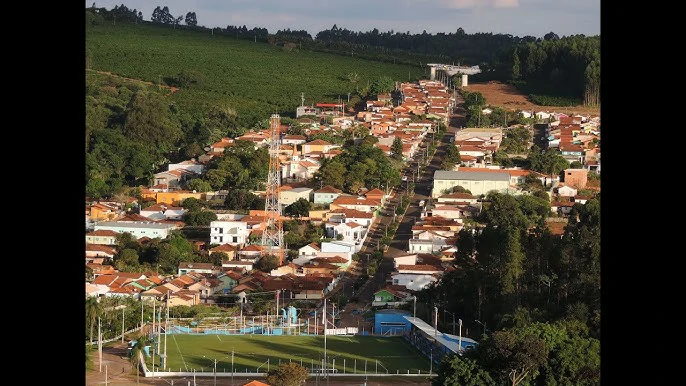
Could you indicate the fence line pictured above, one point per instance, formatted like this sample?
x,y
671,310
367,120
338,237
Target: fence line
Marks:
x,y
116,337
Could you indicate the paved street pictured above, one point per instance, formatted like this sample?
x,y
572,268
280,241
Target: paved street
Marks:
x,y
399,246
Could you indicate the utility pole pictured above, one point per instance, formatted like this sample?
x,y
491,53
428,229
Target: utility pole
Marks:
x,y
277,308
436,323
122,324
166,326
324,322
99,345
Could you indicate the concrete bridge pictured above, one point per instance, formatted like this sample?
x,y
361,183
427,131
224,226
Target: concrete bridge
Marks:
x,y
452,70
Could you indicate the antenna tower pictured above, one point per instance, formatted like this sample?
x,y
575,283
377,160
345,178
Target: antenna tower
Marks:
x,y
272,236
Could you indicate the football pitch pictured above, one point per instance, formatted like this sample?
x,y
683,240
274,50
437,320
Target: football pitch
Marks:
x,y
349,354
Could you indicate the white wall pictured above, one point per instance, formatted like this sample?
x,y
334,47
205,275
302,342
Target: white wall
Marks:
x,y
228,232
137,232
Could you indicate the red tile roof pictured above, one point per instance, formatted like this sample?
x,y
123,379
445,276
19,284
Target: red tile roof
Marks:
x,y
224,248
100,248
329,189
252,247
420,267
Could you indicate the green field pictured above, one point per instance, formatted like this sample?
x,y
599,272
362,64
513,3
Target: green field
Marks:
x,y
187,352
256,79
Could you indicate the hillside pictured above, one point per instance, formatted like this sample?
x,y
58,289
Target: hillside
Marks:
x,y
256,79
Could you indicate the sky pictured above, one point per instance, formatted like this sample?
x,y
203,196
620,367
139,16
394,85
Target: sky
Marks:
x,y
515,17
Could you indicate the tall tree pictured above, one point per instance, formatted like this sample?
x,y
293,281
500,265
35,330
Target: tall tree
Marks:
x,y
191,19
150,122
287,374
456,370
512,355
397,149
300,208
93,310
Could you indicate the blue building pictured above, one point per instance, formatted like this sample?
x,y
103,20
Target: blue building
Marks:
x,y
391,322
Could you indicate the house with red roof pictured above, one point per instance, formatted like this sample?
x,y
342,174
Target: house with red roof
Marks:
x,y
350,232
219,147
309,250
326,195
186,267
391,295
97,253
229,249
354,202
102,237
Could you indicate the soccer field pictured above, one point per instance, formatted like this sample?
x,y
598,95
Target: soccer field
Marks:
x,y
188,352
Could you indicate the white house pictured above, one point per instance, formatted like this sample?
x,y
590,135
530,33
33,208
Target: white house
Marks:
x,y
185,267
362,204
567,191
299,170
473,151
542,115
101,237
404,260
289,196
138,229
163,211
96,289
447,211
326,195
351,231
242,264
412,281
417,245
234,232
293,140
347,215
476,182
309,250
191,165
174,178
339,247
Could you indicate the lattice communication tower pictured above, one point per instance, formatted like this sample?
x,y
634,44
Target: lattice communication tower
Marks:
x,y
272,236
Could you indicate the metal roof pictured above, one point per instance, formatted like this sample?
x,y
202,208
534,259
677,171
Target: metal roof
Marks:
x,y
472,176
448,340
134,224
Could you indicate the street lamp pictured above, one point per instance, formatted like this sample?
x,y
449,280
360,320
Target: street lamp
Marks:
x,y
459,339
414,308
483,325
436,323
215,369
453,315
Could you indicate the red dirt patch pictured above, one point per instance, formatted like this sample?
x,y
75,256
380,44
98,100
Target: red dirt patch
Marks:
x,y
507,96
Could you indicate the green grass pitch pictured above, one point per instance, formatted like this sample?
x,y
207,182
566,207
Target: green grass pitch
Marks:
x,y
188,352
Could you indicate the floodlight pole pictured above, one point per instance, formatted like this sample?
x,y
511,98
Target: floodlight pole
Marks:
x,y
414,308
99,346
166,326
324,322
122,324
